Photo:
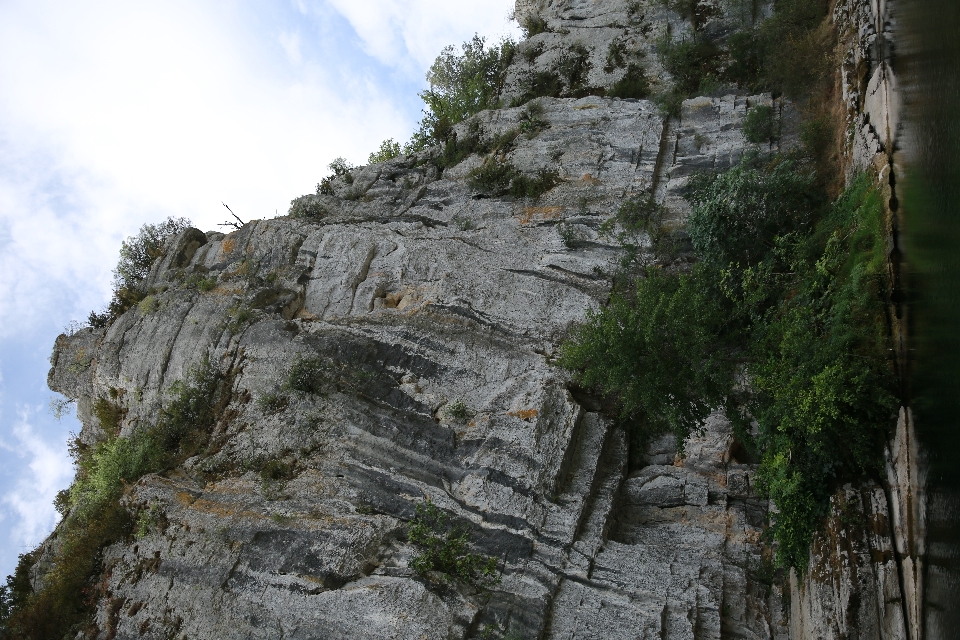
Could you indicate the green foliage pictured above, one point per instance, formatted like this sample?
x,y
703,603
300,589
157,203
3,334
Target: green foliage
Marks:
x,y
341,170
239,316
276,470
137,255
493,177
640,219
445,548
460,86
689,60
149,519
796,54
201,283
309,374
616,55
148,305
109,415
387,151
567,77
533,25
96,518
497,177
568,235
738,214
660,351
530,121
138,252
573,67
760,124
457,148
459,411
781,321
273,402
308,207
633,84
533,187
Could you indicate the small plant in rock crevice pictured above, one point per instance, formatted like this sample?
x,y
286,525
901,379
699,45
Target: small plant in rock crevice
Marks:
x,y
445,549
568,235
458,410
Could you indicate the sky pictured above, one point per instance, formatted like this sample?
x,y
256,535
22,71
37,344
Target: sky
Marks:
x,y
114,114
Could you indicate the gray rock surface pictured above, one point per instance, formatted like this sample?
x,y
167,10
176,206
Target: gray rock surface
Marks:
x,y
424,294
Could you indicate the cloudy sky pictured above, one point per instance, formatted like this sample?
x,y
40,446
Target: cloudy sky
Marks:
x,y
114,114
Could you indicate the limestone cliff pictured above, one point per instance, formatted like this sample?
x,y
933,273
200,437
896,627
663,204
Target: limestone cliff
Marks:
x,y
439,309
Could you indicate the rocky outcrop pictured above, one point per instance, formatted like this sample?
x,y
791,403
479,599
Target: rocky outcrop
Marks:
x,y
438,310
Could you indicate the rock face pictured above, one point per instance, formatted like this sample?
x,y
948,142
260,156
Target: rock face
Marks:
x,y
438,311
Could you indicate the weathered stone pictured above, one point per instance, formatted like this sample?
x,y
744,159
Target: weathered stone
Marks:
x,y
424,296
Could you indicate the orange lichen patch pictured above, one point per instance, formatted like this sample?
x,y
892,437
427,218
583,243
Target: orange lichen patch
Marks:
x,y
524,414
185,498
223,510
589,180
229,244
539,214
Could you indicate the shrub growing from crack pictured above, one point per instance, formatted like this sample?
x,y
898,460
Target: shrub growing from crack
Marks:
x,y
445,548
759,126
458,410
95,517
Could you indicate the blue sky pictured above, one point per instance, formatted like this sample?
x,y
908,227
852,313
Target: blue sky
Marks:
x,y
114,114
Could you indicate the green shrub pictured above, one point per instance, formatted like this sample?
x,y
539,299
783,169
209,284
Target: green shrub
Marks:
x,y
689,61
568,235
540,84
532,52
633,84
493,177
137,255
660,351
201,283
782,321
760,125
445,548
530,121
387,151
149,519
273,402
746,59
308,207
616,56
459,411
497,177
276,470
109,415
342,170
738,214
460,86
573,67
148,305
309,374
457,148
526,187
96,517
533,25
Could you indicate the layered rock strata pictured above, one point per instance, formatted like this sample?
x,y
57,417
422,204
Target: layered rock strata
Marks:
x,y
442,309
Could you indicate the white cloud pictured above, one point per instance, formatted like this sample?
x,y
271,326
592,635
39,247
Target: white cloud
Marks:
x,y
113,114
291,46
30,501
408,33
